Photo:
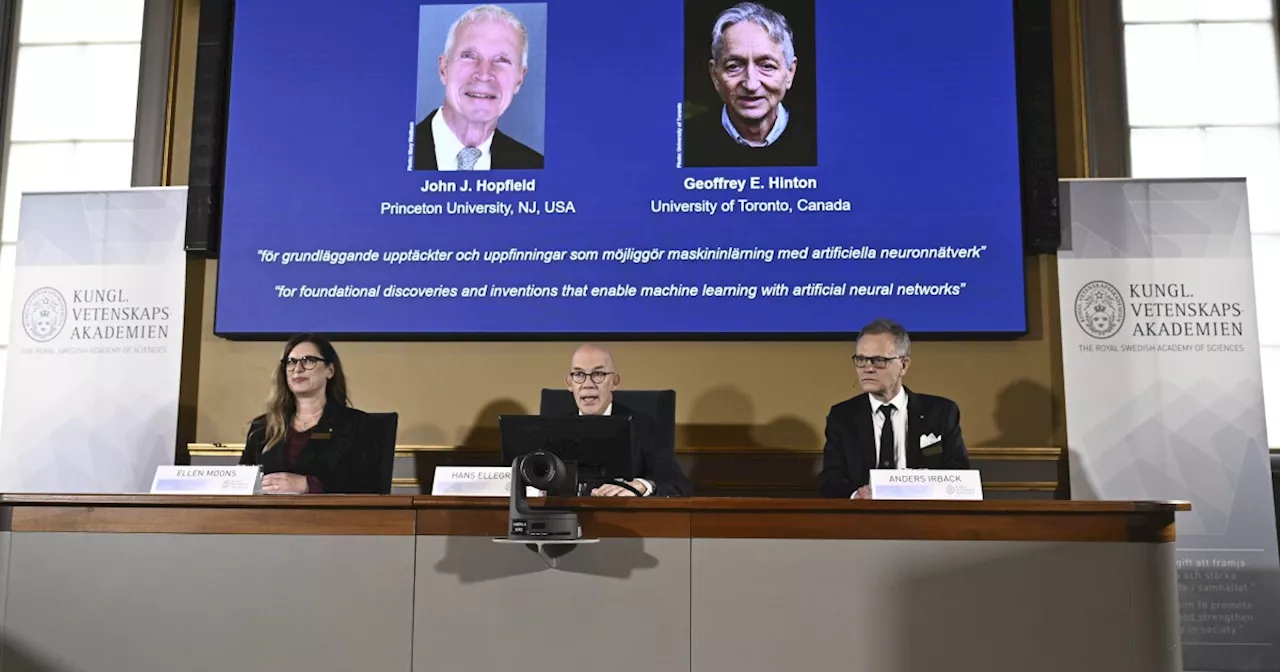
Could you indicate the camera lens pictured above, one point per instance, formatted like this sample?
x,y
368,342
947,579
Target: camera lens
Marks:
x,y
542,470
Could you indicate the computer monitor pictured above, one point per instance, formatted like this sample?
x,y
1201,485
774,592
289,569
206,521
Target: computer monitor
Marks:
x,y
598,448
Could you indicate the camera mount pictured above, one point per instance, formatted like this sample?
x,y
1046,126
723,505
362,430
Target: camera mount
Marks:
x,y
550,533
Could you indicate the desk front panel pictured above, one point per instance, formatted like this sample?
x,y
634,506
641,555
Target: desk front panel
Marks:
x,y
123,602
4,576
762,605
621,604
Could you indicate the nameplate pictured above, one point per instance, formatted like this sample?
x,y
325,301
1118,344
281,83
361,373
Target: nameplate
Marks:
x,y
942,484
232,480
475,482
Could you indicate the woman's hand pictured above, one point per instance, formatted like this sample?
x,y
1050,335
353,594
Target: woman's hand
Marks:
x,y
284,484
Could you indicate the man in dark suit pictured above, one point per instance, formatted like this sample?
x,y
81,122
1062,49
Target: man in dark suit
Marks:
x,y
592,379
888,426
482,68
506,152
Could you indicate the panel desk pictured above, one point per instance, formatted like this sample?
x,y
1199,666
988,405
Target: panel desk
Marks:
x,y
134,583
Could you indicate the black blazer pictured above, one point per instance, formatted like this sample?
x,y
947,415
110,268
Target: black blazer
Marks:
x,y
340,453
850,450
653,459
508,153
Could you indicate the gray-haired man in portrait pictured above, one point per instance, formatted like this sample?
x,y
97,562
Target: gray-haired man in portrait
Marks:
x,y
482,68
752,66
887,426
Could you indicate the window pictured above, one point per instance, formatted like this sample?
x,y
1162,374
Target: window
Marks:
x,y
73,105
1204,101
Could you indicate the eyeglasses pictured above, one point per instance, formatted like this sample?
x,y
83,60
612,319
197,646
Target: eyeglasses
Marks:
x,y
307,363
878,362
597,377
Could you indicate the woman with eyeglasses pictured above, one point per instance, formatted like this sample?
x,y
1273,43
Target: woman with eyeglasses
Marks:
x,y
311,440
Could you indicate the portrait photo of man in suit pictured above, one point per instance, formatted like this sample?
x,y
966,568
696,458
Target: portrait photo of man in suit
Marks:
x,y
480,75
753,69
888,426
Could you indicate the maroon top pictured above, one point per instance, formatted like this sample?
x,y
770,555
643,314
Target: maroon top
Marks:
x,y
295,442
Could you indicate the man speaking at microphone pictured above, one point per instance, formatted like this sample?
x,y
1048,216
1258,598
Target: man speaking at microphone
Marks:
x,y
887,426
592,379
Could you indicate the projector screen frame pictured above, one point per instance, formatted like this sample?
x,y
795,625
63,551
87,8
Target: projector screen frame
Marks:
x,y
1038,190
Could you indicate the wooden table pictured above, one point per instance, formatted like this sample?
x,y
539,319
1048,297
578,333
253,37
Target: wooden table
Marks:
x,y
132,583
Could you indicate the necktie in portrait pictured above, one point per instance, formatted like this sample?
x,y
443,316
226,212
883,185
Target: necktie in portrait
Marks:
x,y
467,158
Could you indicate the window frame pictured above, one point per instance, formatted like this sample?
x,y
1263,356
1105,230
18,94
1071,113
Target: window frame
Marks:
x,y
145,118
1105,55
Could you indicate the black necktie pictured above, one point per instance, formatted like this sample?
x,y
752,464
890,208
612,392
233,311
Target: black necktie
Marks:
x,y
888,455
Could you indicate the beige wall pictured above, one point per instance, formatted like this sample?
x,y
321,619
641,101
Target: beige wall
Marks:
x,y
751,394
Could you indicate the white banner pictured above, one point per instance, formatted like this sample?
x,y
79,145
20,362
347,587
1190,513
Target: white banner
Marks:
x,y
95,341
1164,393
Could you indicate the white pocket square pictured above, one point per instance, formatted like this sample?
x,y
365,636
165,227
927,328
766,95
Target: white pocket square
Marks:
x,y
929,439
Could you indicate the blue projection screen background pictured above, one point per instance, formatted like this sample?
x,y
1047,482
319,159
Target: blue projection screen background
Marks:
x,y
613,198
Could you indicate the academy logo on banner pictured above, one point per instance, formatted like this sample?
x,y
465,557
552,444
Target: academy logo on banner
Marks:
x,y
95,350
44,314
1163,383
99,316
1100,309
1159,310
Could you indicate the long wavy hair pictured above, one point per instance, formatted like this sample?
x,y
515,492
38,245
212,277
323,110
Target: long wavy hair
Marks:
x,y
282,405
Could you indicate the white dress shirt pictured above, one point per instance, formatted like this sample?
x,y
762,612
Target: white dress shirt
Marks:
x,y
779,126
608,410
899,420
448,145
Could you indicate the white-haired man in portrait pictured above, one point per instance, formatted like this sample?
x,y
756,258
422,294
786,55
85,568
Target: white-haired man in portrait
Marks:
x,y
752,67
482,68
